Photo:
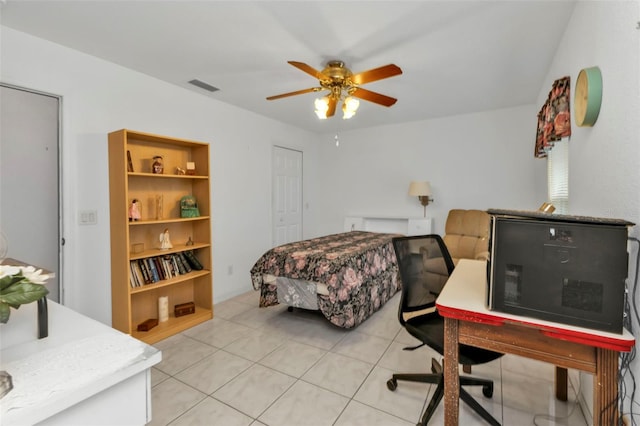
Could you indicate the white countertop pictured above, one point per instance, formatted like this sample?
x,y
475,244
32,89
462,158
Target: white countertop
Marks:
x,y
80,358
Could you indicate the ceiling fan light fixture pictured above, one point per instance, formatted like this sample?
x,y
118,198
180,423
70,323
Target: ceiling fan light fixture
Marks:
x,y
349,107
322,106
343,86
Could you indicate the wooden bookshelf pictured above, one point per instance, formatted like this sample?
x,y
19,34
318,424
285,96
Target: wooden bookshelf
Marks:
x,y
133,301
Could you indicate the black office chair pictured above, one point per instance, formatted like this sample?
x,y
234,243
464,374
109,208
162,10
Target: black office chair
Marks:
x,y
425,266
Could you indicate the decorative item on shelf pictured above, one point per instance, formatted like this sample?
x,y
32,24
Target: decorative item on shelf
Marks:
x,y
158,165
180,171
184,309
129,162
189,242
134,210
191,168
159,207
189,206
148,324
165,241
163,308
422,190
137,248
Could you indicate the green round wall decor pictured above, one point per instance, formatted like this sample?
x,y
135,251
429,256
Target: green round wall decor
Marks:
x,y
588,96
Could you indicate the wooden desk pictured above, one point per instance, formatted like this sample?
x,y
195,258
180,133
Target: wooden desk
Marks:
x,y
462,303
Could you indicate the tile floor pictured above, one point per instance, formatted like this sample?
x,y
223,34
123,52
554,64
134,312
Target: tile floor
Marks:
x,y
267,366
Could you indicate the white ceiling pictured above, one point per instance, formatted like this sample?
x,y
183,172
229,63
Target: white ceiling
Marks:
x,y
457,57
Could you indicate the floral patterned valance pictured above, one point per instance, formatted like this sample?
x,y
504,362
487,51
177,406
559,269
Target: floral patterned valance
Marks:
x,y
554,118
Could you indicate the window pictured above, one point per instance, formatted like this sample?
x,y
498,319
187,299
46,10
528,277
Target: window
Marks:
x,y
558,175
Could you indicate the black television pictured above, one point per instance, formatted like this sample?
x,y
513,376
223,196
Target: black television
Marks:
x,y
560,268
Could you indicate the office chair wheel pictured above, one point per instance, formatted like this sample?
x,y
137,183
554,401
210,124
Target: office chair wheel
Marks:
x,y
392,384
487,390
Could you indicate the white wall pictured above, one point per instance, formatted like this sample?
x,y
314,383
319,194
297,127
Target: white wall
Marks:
x,y
479,161
99,97
604,160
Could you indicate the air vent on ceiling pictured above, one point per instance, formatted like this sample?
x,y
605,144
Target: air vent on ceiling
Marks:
x,y
203,85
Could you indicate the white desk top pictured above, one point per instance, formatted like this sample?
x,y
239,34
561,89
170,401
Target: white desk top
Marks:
x,y
464,297
80,358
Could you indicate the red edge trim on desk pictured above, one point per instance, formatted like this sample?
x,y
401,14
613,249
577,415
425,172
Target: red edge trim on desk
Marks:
x,y
574,336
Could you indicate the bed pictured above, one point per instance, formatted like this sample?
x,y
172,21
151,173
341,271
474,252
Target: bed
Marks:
x,y
346,276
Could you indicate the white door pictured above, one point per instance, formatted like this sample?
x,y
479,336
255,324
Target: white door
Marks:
x,y
29,184
287,195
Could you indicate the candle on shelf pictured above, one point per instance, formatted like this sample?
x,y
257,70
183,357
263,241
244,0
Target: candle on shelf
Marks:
x,y
163,308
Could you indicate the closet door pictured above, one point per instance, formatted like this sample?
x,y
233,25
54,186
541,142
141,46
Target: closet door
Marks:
x,y
29,179
286,195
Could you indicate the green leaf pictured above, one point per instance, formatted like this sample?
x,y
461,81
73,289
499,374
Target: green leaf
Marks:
x,y
23,293
5,311
9,281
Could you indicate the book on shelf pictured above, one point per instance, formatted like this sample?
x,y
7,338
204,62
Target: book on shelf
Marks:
x,y
146,274
157,261
185,263
139,275
176,266
193,260
136,274
151,265
150,270
132,279
168,266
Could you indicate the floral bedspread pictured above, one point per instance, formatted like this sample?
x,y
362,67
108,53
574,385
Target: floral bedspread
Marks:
x,y
359,269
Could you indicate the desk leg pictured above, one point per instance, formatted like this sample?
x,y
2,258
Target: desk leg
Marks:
x,y
605,388
451,377
561,383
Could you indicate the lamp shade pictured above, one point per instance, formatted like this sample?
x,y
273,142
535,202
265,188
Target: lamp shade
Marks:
x,y
322,106
418,189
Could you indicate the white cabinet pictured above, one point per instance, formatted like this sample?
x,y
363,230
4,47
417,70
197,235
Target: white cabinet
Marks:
x,y
393,225
83,373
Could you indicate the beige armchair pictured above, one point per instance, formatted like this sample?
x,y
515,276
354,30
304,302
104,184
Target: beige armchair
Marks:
x,y
467,234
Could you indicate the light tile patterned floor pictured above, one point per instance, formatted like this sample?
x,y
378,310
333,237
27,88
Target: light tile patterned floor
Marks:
x,y
267,366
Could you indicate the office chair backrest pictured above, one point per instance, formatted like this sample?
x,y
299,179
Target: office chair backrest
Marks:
x,y
425,266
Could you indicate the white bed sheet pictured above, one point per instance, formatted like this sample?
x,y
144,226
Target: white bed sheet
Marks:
x,y
297,293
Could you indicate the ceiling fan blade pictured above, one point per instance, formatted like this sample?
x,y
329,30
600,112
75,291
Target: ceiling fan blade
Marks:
x,y
376,74
332,106
374,97
308,69
297,92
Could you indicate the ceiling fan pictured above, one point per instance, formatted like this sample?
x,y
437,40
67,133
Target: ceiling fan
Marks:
x,y
343,86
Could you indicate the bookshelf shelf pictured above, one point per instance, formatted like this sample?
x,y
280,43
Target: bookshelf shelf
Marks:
x,y
141,272
168,220
163,176
170,281
174,325
177,248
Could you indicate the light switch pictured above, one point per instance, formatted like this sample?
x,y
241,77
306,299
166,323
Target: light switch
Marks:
x,y
88,217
